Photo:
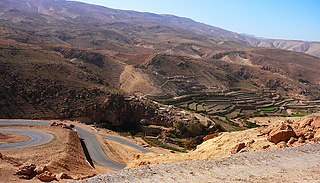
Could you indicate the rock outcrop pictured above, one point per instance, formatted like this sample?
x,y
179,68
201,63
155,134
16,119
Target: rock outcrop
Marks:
x,y
63,176
207,137
282,133
41,169
126,112
238,148
46,176
26,171
29,171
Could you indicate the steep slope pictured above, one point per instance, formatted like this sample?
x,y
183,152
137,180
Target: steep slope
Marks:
x,y
60,58
36,83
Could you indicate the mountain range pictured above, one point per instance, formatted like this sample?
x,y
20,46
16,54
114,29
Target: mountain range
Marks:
x,y
79,51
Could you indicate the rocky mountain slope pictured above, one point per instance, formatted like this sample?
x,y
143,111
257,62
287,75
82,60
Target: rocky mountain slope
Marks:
x,y
143,29
62,58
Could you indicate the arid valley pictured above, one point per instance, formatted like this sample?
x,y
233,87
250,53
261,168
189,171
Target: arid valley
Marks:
x,y
94,94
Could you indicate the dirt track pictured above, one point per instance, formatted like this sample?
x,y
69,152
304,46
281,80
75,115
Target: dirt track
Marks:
x,y
300,164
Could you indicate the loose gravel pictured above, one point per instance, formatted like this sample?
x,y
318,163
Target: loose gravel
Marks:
x,y
299,164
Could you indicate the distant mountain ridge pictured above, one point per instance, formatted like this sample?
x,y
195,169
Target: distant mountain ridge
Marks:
x,y
49,11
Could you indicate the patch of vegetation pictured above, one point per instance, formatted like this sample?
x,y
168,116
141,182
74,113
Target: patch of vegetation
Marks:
x,y
249,124
154,142
269,109
228,121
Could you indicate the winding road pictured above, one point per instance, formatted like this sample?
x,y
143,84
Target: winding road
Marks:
x,y
95,150
37,138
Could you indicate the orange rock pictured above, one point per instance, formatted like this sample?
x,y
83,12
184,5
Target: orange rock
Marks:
x,y
265,131
306,122
85,177
309,135
301,140
317,136
1,156
237,148
282,133
207,137
41,168
292,140
63,176
250,142
300,132
46,177
282,144
315,124
26,171
144,163
137,156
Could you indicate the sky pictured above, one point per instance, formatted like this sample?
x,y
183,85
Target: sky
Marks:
x,y
278,19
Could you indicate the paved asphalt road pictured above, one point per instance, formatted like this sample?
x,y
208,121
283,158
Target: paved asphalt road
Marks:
x,y
36,138
95,150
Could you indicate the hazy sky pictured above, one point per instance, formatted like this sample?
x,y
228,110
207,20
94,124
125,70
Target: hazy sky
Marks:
x,y
285,19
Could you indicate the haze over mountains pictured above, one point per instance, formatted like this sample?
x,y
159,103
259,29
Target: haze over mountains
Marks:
x,y
60,11
71,47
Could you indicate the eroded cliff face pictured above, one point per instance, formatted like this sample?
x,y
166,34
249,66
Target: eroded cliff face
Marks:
x,y
126,113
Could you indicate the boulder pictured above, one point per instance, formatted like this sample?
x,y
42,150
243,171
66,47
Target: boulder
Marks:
x,y
300,132
292,140
306,122
250,142
301,140
63,176
309,135
207,137
238,147
282,144
46,177
41,168
85,177
317,136
282,133
316,124
26,171
265,131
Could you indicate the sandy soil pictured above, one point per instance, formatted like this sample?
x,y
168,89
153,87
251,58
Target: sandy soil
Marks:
x,y
12,138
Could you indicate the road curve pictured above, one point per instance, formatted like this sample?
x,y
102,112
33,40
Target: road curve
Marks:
x,y
126,142
95,150
37,138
